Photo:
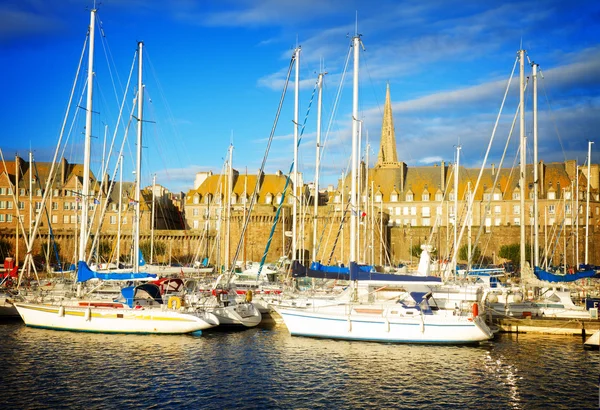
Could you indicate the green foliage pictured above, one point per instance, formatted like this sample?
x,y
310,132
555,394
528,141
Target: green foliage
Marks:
x,y
160,249
512,252
415,251
104,249
463,253
5,248
53,251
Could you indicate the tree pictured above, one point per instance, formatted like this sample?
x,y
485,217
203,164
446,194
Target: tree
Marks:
x,y
415,251
463,253
5,248
512,252
159,249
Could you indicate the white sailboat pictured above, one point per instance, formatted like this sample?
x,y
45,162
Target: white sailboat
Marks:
x,y
380,321
149,315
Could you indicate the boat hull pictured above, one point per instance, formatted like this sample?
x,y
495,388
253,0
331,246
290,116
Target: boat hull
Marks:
x,y
242,314
374,326
112,320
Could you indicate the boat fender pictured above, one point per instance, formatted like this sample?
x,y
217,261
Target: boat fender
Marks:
x,y
249,296
88,314
174,302
61,311
475,310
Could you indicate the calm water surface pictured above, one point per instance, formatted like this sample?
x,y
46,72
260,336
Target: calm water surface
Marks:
x,y
266,368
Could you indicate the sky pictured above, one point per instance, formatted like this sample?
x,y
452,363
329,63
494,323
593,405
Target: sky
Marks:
x,y
215,71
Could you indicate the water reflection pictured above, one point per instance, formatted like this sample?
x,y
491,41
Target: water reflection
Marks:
x,y
266,368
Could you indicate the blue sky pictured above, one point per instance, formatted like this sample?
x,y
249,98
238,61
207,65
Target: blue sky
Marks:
x,y
215,70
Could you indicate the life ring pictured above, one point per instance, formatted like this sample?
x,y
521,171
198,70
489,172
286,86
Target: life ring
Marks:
x,y
249,296
174,302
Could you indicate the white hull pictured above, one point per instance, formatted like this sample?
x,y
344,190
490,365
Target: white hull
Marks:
x,y
240,314
114,320
389,324
593,342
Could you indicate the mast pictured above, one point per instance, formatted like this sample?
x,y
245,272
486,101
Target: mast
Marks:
x,y
536,233
120,164
17,169
138,165
453,265
353,202
587,203
88,141
523,157
152,220
295,171
227,195
317,164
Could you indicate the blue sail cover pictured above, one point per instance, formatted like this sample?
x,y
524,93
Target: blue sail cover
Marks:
x,y
354,272
84,273
551,277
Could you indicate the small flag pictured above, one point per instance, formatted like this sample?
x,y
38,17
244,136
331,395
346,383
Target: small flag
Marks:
x,y
96,202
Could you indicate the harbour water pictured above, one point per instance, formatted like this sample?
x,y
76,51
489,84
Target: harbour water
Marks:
x,y
266,368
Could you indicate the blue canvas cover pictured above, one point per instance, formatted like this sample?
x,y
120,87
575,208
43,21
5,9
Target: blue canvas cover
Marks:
x,y
551,277
84,273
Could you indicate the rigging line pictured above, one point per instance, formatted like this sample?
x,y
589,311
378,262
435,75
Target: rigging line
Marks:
x,y
50,231
480,231
462,230
553,118
29,243
342,220
287,180
264,160
335,104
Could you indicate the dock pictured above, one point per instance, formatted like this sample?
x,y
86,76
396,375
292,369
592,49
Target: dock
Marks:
x,y
554,326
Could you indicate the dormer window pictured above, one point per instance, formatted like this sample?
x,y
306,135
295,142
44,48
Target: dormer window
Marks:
x,y
269,199
233,199
394,197
425,196
410,197
439,197
551,195
196,199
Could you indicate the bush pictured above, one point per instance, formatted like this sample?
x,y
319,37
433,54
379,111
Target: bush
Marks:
x,y
463,253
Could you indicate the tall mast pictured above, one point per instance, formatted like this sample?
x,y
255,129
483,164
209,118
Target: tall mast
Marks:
x,y
453,265
587,202
17,219
152,219
295,172
353,201
317,165
120,165
536,240
227,201
523,157
138,165
88,140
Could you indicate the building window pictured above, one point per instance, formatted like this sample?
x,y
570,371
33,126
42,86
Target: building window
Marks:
x,y
498,221
497,196
124,220
54,206
65,206
196,224
54,219
269,199
38,192
279,198
438,210
21,191
568,221
551,209
409,197
195,212
439,197
38,206
394,197
426,212
398,210
451,196
73,219
378,198
2,204
405,210
486,197
488,211
413,222
516,195
551,195
113,220
413,210
497,209
552,220
9,218
233,199
336,199
567,209
65,219
517,209
1,217
426,222
426,196
2,191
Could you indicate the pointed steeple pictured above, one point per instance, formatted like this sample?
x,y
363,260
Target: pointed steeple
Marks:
x,y
388,156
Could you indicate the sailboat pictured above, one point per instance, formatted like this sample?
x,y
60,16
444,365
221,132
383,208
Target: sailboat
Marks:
x,y
381,321
140,309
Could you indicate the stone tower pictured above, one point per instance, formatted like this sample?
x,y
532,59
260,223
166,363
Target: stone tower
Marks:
x,y
388,157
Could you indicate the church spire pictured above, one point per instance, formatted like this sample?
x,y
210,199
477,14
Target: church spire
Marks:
x,y
387,150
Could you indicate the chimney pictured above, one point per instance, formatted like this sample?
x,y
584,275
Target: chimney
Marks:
x,y
443,175
541,185
63,171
